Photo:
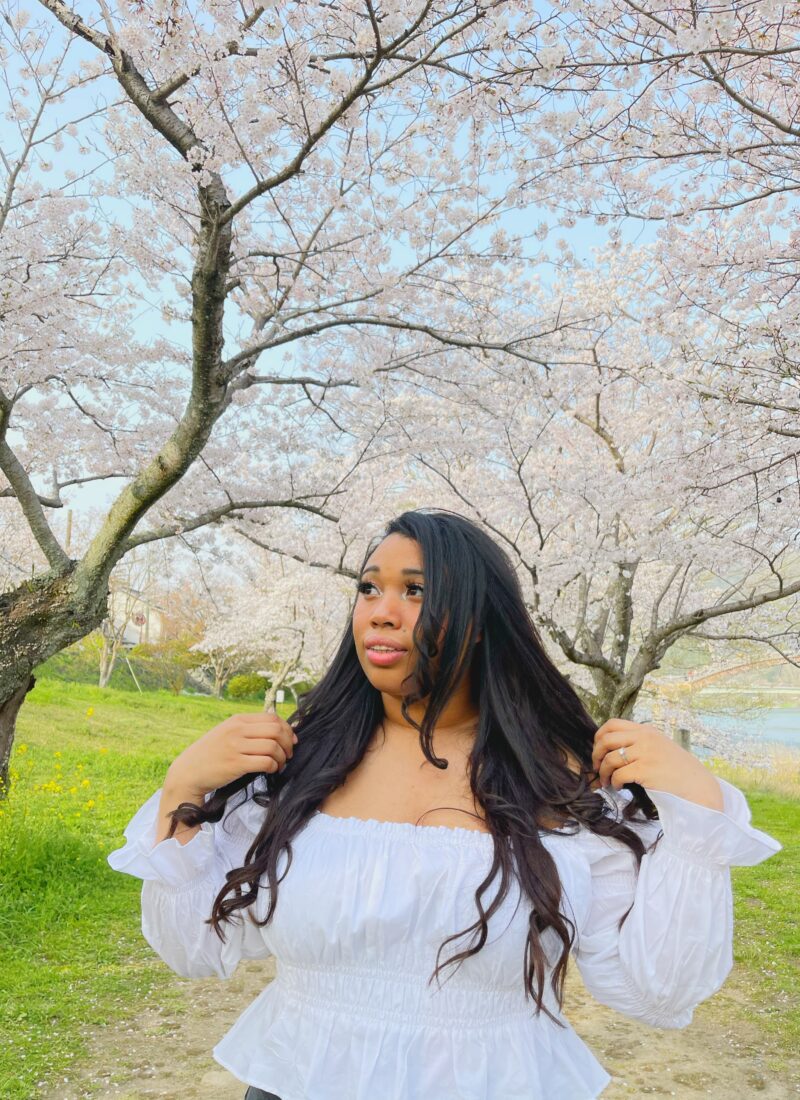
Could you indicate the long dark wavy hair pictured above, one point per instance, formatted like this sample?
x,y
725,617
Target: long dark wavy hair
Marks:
x,y
531,723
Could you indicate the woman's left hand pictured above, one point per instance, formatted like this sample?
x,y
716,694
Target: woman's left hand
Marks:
x,y
653,760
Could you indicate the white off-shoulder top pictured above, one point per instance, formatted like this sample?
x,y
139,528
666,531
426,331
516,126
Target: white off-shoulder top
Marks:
x,y
364,908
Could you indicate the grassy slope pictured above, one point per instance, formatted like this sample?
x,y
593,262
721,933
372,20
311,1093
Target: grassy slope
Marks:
x,y
71,952
767,935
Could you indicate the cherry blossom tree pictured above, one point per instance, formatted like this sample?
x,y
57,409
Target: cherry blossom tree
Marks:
x,y
220,664
681,122
287,193
624,504
601,477
112,633
297,223
132,587
288,617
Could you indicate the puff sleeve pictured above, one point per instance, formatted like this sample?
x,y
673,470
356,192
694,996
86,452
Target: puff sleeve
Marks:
x,y
181,881
676,946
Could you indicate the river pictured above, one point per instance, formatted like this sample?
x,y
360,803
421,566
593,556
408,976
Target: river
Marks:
x,y
777,724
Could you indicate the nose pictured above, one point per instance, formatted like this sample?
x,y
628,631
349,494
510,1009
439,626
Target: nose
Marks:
x,y
385,610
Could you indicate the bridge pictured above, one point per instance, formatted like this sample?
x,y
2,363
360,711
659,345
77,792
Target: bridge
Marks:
x,y
704,678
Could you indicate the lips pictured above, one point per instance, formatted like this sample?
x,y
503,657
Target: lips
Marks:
x,y
383,657
373,640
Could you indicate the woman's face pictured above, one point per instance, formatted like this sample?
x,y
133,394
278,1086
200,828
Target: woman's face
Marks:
x,y
386,609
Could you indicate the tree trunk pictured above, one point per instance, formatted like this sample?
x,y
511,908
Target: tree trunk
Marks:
x,y
39,618
108,660
9,709
278,680
613,697
269,696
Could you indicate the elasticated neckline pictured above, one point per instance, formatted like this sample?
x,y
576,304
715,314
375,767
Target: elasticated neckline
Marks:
x,y
402,829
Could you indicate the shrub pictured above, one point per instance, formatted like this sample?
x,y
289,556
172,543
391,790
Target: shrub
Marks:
x,y
240,687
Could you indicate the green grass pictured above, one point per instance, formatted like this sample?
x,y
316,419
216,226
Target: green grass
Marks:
x,y
72,956
767,934
766,907
71,952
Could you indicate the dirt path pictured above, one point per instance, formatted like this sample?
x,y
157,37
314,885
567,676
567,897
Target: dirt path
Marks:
x,y
167,1052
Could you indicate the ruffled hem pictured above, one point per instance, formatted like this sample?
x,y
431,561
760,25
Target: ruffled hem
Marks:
x,y
304,1053
168,862
724,837
171,863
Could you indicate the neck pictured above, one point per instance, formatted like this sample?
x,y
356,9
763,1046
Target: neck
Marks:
x,y
459,717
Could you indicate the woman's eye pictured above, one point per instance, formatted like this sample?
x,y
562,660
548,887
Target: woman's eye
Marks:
x,y
365,586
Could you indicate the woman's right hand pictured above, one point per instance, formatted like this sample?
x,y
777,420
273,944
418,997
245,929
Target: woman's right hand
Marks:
x,y
243,743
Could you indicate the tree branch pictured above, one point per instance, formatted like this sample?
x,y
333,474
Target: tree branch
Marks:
x,y
214,515
340,570
28,499
509,347
704,614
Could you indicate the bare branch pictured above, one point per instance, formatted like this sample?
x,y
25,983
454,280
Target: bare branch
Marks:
x,y
704,614
27,497
214,515
338,569
510,347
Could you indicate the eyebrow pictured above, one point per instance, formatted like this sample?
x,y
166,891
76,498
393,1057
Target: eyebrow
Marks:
x,y
405,572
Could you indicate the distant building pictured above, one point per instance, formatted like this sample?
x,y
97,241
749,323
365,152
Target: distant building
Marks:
x,y
144,621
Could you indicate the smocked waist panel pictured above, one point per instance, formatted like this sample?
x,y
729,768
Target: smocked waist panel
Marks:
x,y
392,998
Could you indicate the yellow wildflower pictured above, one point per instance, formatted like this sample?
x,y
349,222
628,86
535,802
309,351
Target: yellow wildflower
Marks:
x,y
85,783
22,748
103,748
73,790
56,754
90,712
89,805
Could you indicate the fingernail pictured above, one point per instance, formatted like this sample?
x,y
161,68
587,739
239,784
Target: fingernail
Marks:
x,y
294,738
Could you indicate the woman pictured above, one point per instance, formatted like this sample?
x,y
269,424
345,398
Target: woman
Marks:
x,y
442,782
